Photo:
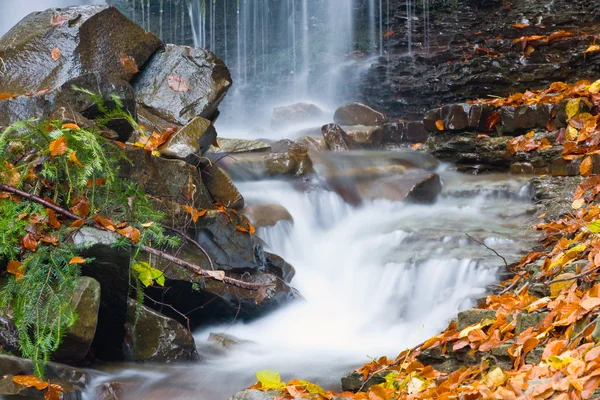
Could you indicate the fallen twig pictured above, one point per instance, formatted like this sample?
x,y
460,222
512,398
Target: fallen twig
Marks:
x,y
187,238
189,266
489,248
589,271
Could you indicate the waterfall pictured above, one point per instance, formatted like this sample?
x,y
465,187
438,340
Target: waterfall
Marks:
x,y
409,21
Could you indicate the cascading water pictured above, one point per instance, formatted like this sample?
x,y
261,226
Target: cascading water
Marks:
x,y
376,280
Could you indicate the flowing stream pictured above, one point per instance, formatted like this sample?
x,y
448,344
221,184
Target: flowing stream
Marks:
x,y
376,280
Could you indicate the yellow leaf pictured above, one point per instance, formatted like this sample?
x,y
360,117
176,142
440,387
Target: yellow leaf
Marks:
x,y
559,362
148,224
571,134
594,87
557,287
58,147
572,108
495,378
77,260
269,379
594,226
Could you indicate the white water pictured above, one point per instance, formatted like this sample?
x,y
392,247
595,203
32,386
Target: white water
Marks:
x,y
376,280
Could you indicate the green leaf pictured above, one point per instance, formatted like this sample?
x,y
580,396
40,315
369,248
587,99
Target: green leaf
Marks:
x,y
269,379
390,380
594,226
148,275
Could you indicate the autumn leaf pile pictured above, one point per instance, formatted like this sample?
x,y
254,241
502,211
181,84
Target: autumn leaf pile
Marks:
x,y
567,360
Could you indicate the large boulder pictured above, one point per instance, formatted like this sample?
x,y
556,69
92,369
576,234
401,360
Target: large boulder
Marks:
x,y
110,267
169,183
227,145
47,49
359,114
181,82
366,136
79,336
220,186
67,97
294,114
71,379
264,215
156,337
190,142
415,186
337,139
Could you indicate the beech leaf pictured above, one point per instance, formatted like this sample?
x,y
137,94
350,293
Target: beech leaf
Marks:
x,y
16,268
178,83
58,147
269,379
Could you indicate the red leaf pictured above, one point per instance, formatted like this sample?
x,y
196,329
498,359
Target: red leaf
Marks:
x,y
30,242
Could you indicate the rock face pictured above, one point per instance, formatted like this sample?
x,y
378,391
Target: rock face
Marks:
x,y
181,82
458,65
299,113
79,337
155,337
404,132
87,39
9,336
337,139
358,114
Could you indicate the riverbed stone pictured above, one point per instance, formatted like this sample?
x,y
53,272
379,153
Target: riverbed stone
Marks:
x,y
253,394
337,139
89,38
474,316
313,143
227,145
366,136
73,380
295,114
156,337
404,132
78,338
527,320
190,142
265,215
282,268
414,186
180,82
359,114
221,187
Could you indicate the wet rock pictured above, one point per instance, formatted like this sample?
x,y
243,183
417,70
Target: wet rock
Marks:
x,y
281,268
190,142
474,316
89,38
294,162
179,83
153,122
253,394
113,390
166,181
240,145
404,132
295,114
355,382
527,320
415,186
261,215
9,336
71,379
359,114
110,267
312,143
337,139
467,149
74,101
155,337
522,118
220,187
79,337
366,136
225,341
458,117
